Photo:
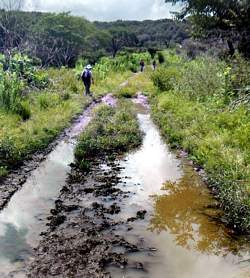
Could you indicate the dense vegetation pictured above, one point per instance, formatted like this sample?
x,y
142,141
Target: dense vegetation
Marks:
x,y
61,39
150,34
203,107
113,129
35,104
31,116
227,19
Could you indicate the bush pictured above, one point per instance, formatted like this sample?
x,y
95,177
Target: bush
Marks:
x,y
216,140
238,77
202,78
161,58
46,100
121,63
125,92
164,78
3,171
24,68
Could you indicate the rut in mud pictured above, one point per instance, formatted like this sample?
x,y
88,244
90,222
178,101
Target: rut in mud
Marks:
x,y
116,221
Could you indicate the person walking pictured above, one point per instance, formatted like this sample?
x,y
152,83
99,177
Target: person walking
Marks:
x,y
154,65
142,65
87,78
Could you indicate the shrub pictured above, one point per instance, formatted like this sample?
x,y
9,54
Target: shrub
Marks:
x,y
10,91
217,140
65,96
3,171
238,81
161,57
164,78
125,92
202,78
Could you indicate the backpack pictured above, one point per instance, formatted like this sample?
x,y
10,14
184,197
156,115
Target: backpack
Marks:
x,y
86,75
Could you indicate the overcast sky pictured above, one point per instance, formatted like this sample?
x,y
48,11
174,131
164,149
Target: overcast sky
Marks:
x,y
105,10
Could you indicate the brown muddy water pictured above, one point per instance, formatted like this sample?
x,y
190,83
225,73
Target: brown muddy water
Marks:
x,y
180,236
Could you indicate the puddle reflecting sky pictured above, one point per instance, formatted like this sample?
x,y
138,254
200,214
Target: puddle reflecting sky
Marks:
x,y
25,216
180,221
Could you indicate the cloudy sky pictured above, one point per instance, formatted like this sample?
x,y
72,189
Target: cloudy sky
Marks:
x,y
106,10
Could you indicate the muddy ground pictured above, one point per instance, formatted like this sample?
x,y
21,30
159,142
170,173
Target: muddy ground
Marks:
x,y
80,239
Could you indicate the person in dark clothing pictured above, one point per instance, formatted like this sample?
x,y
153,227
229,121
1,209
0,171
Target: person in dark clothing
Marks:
x,y
154,65
142,64
87,78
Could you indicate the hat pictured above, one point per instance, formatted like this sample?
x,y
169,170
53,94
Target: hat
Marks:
x,y
88,67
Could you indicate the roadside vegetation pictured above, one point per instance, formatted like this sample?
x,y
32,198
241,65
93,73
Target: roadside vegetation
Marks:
x,y
203,107
112,130
37,104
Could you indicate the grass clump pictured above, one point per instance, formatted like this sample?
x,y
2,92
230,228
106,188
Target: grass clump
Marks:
x,y
112,130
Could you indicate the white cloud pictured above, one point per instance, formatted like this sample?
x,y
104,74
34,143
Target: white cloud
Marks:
x,y
105,10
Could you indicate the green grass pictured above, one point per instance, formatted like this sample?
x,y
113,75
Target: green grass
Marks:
x,y
217,141
137,83
194,113
43,114
50,113
112,130
110,83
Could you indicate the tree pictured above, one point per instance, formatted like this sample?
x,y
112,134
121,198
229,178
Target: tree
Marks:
x,y
59,39
9,24
227,18
121,38
97,42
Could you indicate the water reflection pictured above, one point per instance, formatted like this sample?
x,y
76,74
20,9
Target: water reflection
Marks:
x,y
188,211
13,246
25,216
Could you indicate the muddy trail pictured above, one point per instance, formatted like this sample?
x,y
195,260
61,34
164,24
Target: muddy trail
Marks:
x,y
147,214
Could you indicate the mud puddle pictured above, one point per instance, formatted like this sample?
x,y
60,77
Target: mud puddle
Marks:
x,y
25,216
180,236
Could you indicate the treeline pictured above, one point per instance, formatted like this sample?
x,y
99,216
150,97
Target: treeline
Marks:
x,y
60,39
148,34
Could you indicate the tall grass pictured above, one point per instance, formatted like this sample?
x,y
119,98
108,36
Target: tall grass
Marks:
x,y
192,106
50,112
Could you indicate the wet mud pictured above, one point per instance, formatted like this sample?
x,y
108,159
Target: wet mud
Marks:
x,y
81,241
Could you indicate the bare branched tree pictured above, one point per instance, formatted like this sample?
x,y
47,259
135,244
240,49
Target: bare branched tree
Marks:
x,y
11,5
10,38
